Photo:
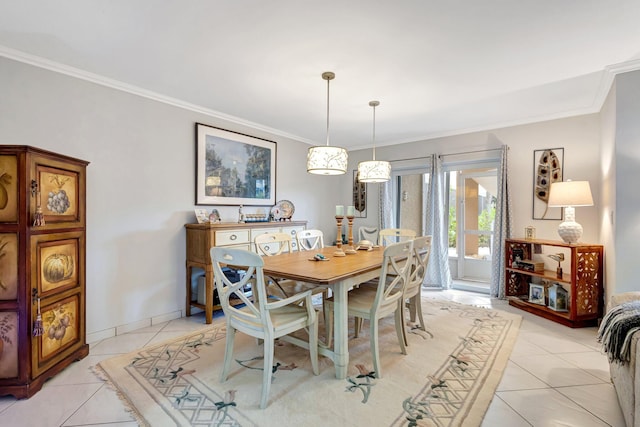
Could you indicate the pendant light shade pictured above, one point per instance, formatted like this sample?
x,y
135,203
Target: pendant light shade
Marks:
x,y
374,170
327,160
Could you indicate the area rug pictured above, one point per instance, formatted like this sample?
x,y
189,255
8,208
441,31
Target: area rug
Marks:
x,y
448,377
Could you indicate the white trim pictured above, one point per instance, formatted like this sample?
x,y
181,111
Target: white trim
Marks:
x,y
57,67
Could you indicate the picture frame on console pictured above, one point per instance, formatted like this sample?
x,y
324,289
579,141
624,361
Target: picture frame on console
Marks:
x,y
536,294
233,168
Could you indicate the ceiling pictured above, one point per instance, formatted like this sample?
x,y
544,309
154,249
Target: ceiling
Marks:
x,y
437,67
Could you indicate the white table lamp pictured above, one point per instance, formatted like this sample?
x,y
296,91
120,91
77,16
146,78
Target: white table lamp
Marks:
x,y
568,195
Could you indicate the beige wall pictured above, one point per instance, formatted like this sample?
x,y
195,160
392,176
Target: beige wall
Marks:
x,y
579,136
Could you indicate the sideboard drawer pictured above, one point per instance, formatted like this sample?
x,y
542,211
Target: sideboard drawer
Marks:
x,y
232,237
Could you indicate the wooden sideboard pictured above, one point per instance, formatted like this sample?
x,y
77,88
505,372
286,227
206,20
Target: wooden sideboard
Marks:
x,y
42,266
202,237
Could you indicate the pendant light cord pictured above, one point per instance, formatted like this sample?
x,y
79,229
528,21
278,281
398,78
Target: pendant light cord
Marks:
x,y
328,81
374,132
374,104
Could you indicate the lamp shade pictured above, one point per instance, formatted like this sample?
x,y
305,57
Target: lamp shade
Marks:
x,y
570,193
374,171
327,160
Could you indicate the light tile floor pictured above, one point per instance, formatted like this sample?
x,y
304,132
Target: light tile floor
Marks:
x,y
556,376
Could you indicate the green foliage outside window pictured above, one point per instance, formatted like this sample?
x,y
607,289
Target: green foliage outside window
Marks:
x,y
452,227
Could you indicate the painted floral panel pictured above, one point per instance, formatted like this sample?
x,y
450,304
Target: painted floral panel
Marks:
x,y
8,266
8,189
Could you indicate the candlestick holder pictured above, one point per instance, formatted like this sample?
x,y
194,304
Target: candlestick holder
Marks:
x,y
339,251
350,249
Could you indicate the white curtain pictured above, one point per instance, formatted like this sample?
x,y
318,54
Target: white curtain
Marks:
x,y
503,226
386,218
435,224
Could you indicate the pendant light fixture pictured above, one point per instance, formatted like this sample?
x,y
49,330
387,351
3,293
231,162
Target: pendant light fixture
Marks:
x,y
324,159
374,170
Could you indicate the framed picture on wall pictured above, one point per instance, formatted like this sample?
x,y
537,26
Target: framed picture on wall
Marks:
x,y
548,166
233,168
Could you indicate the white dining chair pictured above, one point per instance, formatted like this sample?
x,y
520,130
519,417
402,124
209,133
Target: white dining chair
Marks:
x,y
375,303
309,240
387,236
413,290
368,233
266,319
270,244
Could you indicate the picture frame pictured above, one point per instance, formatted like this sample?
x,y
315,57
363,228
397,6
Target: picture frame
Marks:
x,y
359,196
536,294
233,168
202,216
530,233
548,167
558,298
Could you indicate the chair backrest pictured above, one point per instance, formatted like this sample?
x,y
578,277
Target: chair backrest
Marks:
x,y
255,317
368,233
395,235
309,240
396,266
269,244
421,253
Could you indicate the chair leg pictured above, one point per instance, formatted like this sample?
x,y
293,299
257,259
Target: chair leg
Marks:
x,y
329,325
417,304
358,325
326,315
228,353
412,308
313,347
399,315
375,351
403,323
267,373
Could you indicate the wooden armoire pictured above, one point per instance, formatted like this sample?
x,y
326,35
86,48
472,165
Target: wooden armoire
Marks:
x,y
42,266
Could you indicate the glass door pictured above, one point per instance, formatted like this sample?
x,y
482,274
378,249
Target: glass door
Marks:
x,y
471,216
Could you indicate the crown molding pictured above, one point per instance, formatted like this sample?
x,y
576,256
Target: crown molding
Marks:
x,y
78,73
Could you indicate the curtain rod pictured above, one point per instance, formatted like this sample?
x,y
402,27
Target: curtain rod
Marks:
x,y
412,158
450,154
471,152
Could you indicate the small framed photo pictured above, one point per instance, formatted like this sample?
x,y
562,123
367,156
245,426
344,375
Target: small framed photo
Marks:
x,y
202,215
558,298
536,294
530,233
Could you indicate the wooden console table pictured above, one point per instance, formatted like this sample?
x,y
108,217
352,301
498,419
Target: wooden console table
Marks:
x,y
582,279
202,237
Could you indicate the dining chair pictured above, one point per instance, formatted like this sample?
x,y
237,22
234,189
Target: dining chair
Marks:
x,y
309,240
395,235
266,319
270,244
375,303
413,289
368,233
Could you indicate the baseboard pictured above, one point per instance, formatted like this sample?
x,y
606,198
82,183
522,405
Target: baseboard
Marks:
x,y
130,327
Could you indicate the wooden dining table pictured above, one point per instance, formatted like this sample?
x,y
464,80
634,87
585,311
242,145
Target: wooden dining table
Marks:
x,y
336,273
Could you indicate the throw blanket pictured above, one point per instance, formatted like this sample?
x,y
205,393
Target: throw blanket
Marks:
x,y
617,329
